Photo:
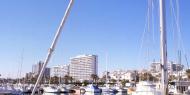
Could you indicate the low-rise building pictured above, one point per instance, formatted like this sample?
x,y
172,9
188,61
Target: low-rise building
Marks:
x,y
155,67
123,75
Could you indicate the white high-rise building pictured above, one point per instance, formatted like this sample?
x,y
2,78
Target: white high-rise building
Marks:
x,y
60,70
83,66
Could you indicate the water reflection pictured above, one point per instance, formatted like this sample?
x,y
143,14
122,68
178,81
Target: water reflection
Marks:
x,y
121,94
58,94
87,93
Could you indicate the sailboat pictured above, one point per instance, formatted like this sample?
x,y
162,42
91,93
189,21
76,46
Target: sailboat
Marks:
x,y
107,88
21,87
92,88
51,88
52,47
8,89
146,87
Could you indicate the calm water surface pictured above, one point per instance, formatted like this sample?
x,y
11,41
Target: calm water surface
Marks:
x,y
85,94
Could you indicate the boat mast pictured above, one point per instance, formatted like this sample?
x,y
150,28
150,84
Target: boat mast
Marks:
x,y
106,68
163,48
20,71
51,49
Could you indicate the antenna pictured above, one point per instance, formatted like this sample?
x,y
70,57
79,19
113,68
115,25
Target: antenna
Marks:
x,y
51,49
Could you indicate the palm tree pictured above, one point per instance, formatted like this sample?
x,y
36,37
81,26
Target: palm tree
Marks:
x,y
66,79
123,82
113,81
136,76
55,80
147,76
103,79
85,83
188,73
94,77
171,78
78,83
34,79
71,79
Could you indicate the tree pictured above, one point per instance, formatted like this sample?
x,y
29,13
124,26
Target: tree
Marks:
x,y
85,83
136,76
66,79
78,83
55,80
71,79
33,79
147,76
94,77
171,77
123,82
188,73
113,81
103,79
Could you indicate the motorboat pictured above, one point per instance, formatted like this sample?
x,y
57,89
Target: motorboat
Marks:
x,y
51,89
108,89
93,89
146,88
187,92
8,89
63,89
120,89
179,87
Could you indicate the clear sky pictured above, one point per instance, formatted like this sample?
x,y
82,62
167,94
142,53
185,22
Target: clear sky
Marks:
x,y
96,27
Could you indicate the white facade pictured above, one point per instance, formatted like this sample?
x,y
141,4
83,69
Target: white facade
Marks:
x,y
83,66
128,76
155,67
172,67
60,70
121,75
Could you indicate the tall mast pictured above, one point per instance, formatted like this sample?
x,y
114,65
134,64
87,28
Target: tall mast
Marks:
x,y
179,62
51,49
106,67
163,48
20,75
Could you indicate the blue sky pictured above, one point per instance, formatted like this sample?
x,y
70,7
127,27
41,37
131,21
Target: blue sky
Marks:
x,y
93,27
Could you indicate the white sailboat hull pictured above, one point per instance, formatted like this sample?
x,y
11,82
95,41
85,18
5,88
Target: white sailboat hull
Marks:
x,y
51,90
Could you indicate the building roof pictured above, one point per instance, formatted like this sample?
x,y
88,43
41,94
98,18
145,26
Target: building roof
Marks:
x,y
83,55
